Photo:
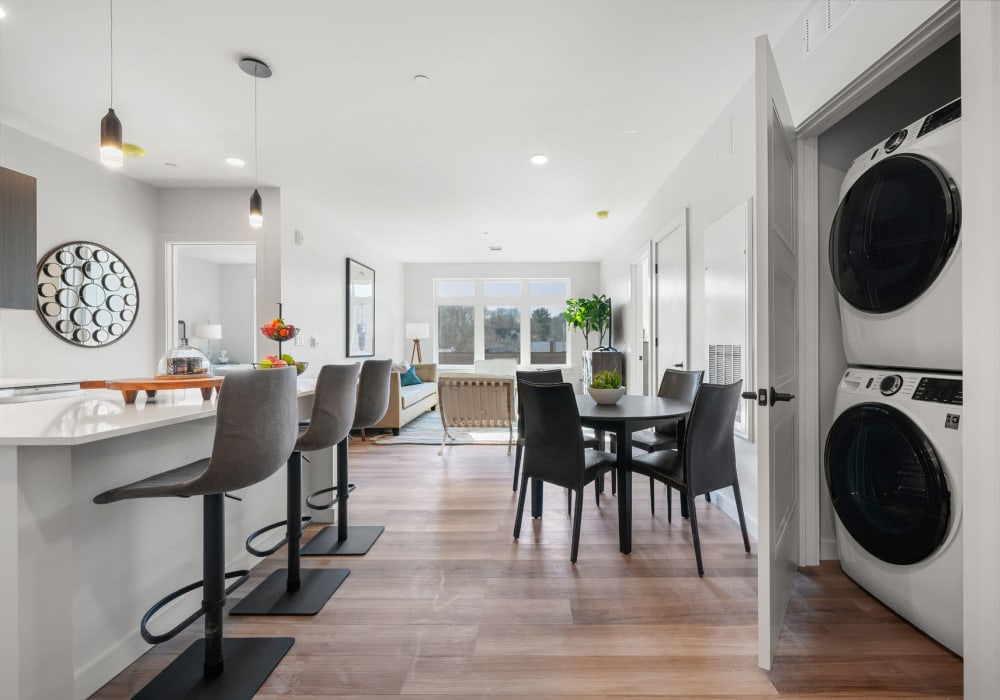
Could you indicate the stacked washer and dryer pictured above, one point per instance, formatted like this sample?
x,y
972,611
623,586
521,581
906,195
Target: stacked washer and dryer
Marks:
x,y
893,458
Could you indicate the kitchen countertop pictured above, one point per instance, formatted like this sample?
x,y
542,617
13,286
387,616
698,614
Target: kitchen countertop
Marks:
x,y
99,414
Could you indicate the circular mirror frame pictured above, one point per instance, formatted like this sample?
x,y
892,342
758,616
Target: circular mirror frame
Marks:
x,y
63,325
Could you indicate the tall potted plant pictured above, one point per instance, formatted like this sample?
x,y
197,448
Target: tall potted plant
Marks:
x,y
589,315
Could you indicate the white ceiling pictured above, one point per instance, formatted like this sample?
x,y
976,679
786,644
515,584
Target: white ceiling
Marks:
x,y
614,91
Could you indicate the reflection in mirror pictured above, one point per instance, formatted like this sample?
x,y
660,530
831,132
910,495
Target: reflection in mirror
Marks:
x,y
215,284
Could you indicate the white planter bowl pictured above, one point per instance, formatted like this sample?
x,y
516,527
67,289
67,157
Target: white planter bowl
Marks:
x,y
606,396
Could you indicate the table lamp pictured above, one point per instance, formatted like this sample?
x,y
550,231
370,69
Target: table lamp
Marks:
x,y
209,332
416,331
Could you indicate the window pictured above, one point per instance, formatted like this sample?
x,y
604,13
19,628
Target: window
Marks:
x,y
501,318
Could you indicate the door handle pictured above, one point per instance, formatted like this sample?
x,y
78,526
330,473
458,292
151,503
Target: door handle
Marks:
x,y
761,396
778,396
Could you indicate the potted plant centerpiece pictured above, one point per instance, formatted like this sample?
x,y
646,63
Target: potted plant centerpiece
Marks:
x,y
593,315
606,387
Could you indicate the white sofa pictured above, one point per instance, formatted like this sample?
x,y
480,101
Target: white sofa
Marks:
x,y
408,402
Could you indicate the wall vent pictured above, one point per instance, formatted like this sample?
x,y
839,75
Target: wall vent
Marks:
x,y
820,20
725,366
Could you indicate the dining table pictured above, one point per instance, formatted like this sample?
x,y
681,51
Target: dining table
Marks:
x,y
629,414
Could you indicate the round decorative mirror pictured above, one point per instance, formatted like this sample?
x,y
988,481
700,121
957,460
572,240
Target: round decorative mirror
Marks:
x,y
87,295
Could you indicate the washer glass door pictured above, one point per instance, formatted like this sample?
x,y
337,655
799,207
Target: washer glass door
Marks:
x,y
893,233
887,483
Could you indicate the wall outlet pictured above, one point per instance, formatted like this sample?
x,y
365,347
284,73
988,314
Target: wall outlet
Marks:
x,y
314,341
299,340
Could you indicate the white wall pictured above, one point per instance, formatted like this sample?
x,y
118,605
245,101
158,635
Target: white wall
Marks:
x,y
314,283
584,281
714,177
239,327
80,200
221,215
869,30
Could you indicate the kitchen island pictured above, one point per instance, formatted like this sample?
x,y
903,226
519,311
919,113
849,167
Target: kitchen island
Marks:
x,y
78,576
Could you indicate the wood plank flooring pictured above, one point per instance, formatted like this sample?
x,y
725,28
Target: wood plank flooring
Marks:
x,y
446,605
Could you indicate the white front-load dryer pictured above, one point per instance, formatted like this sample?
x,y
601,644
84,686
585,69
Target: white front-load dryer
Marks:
x,y
894,248
893,463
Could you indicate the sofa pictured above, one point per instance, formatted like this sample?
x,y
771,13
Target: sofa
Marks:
x,y
408,402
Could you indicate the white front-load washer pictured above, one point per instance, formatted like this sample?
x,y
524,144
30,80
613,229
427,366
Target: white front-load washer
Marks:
x,y
894,248
893,463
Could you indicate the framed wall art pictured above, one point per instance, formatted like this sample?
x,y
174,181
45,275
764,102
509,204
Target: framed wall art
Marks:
x,y
360,309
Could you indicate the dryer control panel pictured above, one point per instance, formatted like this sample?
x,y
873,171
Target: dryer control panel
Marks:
x,y
898,385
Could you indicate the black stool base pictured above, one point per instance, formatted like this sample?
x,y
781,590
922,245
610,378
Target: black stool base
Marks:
x,y
271,597
249,661
360,539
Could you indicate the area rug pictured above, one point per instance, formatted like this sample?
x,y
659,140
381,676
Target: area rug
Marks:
x,y
426,430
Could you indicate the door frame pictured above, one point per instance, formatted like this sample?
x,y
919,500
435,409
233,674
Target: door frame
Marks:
x,y
930,36
644,254
678,222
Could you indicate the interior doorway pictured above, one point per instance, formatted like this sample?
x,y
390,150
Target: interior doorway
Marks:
x,y
640,366
670,266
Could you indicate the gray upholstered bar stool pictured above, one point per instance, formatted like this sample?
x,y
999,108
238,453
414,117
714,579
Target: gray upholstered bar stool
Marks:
x,y
297,591
373,402
255,429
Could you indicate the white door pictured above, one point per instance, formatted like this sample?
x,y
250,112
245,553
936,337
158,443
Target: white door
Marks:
x,y
776,364
637,375
671,273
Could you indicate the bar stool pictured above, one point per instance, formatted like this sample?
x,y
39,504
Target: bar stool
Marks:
x,y
255,429
294,591
373,402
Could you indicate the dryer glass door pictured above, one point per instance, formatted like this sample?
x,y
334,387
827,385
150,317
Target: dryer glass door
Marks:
x,y
893,233
887,483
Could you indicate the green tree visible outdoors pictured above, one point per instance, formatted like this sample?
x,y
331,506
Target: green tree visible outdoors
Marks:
x,y
456,328
503,328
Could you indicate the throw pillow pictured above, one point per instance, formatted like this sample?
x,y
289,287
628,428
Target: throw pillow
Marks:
x,y
409,377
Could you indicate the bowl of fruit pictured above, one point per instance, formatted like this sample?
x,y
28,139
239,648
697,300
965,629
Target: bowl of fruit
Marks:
x,y
271,361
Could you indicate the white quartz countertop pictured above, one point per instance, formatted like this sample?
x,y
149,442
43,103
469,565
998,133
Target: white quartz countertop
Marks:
x,y
101,414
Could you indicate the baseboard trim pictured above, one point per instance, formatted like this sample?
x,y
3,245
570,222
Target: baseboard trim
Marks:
x,y
828,550
727,504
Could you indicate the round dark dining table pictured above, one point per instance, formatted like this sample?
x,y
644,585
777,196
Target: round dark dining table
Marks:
x,y
631,413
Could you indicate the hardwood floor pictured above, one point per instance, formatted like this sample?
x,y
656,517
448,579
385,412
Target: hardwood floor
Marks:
x,y
447,605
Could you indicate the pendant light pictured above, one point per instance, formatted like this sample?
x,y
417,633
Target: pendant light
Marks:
x,y
111,128
257,69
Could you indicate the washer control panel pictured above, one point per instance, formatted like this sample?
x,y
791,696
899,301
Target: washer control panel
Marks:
x,y
887,383
938,390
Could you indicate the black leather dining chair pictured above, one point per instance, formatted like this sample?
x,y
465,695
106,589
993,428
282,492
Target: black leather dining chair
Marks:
x,y
707,459
554,450
538,376
675,384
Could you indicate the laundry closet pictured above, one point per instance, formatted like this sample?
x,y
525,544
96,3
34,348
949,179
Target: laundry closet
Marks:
x,y
889,321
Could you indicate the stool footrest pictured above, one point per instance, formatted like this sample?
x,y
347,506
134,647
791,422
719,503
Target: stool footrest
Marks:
x,y
242,576
331,504
306,520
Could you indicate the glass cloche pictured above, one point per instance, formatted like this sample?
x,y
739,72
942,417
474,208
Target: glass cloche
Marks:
x,y
184,360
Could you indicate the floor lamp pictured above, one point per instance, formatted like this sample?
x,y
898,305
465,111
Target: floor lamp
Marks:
x,y
416,331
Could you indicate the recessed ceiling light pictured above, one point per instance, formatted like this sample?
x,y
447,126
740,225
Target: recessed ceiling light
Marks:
x,y
539,159
486,233
627,132
235,162
171,165
495,248
421,79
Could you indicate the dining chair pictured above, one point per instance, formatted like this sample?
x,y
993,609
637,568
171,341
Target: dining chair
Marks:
x,y
554,450
707,459
538,376
675,384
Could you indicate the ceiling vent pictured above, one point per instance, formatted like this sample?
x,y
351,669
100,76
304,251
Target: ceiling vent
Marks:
x,y
820,20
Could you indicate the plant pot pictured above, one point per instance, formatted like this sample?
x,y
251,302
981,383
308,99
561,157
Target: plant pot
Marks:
x,y
606,396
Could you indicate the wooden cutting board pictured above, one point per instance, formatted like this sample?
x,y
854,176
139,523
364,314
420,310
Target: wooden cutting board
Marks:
x,y
131,387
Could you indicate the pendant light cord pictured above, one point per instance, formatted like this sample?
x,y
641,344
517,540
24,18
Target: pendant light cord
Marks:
x,y
111,51
256,167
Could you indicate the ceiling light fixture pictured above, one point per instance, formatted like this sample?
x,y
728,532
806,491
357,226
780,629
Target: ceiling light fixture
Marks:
x,y
539,159
235,162
421,79
111,128
257,69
